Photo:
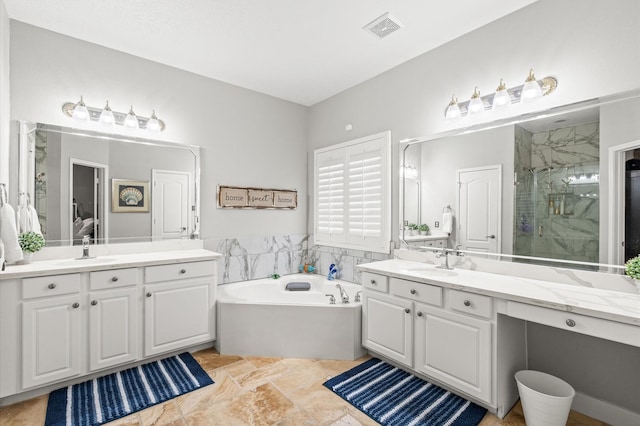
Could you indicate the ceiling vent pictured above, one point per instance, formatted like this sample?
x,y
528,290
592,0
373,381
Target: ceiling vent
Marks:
x,y
383,25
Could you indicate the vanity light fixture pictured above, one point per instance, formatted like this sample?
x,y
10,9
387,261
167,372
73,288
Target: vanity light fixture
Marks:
x,y
502,98
109,118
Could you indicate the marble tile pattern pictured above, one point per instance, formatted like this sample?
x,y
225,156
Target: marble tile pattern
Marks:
x,y
256,391
569,232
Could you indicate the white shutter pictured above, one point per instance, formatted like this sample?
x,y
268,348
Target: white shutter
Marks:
x,y
365,192
330,196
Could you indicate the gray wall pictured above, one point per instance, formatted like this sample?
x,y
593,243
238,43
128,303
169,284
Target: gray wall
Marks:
x,y
4,94
247,139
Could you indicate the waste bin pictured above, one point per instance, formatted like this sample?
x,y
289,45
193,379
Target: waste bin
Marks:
x,y
546,399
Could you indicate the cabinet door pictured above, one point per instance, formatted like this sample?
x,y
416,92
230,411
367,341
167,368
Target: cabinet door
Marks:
x,y
50,340
455,349
388,327
112,327
178,314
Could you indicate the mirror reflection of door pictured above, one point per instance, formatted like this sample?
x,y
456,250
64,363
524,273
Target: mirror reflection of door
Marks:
x,y
632,204
87,201
170,204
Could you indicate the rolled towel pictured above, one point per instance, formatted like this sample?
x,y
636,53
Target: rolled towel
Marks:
x,y
9,234
447,222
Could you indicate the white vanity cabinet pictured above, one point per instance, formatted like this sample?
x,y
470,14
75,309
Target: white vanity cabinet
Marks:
x,y
442,333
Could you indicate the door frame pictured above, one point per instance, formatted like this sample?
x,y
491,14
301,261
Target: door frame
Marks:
x,y
103,224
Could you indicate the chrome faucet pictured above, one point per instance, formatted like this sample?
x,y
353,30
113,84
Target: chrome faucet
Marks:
x,y
357,299
444,253
343,294
85,247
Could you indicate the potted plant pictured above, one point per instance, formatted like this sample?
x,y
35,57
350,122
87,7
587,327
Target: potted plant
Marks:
x,y
30,242
423,228
632,269
413,228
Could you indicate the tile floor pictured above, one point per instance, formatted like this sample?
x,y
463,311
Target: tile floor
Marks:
x,y
255,391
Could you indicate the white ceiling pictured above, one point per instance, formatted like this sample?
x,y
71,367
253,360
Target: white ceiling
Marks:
x,y
300,50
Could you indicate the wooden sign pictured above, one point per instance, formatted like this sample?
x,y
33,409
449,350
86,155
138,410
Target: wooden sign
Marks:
x,y
234,197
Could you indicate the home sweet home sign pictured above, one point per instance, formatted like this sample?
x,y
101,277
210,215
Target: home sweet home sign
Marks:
x,y
236,197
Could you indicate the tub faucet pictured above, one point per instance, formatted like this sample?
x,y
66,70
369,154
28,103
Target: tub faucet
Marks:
x,y
444,253
343,294
357,299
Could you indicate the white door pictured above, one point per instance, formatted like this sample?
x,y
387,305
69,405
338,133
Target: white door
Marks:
x,y
479,208
170,204
112,326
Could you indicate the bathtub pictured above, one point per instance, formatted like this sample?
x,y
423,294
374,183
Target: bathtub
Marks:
x,y
261,318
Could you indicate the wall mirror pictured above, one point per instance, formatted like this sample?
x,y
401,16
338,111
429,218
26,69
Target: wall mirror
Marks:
x,y
112,188
532,188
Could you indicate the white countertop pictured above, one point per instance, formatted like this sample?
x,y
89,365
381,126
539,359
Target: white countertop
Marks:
x,y
606,304
101,263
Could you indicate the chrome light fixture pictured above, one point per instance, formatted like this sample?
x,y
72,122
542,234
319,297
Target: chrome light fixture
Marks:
x,y
502,97
106,117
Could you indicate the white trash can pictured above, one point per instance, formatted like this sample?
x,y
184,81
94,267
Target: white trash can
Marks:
x,y
546,399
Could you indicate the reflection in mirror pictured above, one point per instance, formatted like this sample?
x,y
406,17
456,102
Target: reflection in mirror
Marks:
x,y
528,188
71,174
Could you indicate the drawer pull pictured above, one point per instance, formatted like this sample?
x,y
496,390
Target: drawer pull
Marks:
x,y
94,302
114,279
149,294
373,282
183,271
467,303
570,323
52,286
419,314
407,310
413,291
75,305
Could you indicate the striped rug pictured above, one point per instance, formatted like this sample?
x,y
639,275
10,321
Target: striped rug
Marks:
x,y
116,395
392,396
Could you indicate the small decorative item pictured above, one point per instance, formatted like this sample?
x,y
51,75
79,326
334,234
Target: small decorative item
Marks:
x,y
632,269
30,242
423,228
129,196
413,228
235,197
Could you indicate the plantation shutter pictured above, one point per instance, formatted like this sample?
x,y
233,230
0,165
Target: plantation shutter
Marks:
x,y
352,194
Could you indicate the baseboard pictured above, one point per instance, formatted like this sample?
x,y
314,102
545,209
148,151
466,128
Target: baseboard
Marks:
x,y
604,411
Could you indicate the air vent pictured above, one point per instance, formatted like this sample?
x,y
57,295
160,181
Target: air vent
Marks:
x,y
383,25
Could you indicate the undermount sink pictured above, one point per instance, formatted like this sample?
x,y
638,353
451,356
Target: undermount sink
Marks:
x,y
86,262
431,270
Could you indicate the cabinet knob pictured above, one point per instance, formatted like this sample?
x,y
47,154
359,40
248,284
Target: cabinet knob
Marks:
x,y
413,291
570,323
373,282
94,302
419,314
407,310
114,279
75,305
149,294
183,271
467,303
52,286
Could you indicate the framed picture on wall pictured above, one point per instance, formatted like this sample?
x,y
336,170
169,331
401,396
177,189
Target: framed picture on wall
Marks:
x,y
129,196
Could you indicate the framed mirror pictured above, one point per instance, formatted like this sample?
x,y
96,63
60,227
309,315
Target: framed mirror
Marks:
x,y
111,188
545,188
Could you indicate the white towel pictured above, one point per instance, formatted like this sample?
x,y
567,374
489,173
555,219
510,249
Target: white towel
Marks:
x,y
28,220
447,222
9,234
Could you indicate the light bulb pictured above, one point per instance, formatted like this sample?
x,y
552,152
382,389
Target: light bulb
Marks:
x,y
531,89
106,116
453,110
131,121
153,125
80,111
476,105
501,99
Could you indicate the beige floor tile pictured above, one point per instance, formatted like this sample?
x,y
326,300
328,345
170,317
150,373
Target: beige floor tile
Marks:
x,y
261,376
361,417
223,388
264,406
239,368
300,377
321,404
30,412
161,414
260,362
210,359
131,420
299,418
335,367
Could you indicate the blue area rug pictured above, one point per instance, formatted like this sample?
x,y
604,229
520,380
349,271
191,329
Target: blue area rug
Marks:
x,y
392,396
116,395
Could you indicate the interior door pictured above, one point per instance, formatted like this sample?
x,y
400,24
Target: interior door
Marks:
x,y
170,204
479,206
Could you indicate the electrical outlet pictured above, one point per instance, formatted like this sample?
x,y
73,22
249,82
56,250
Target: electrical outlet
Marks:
x,y
437,225
406,222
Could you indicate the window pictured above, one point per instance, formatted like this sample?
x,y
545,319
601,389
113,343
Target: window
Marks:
x,y
352,183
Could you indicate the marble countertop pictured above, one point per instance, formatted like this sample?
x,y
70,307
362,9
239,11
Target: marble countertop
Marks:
x,y
101,263
605,304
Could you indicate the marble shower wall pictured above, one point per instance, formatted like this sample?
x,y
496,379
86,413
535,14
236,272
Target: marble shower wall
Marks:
x,y
567,211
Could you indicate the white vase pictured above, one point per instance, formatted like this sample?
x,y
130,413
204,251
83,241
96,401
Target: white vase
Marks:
x,y
26,257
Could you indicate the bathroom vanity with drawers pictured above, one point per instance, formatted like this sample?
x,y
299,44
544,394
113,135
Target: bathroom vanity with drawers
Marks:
x,y
65,319
465,330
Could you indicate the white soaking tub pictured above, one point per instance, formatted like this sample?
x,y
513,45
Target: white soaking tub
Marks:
x,y
261,318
